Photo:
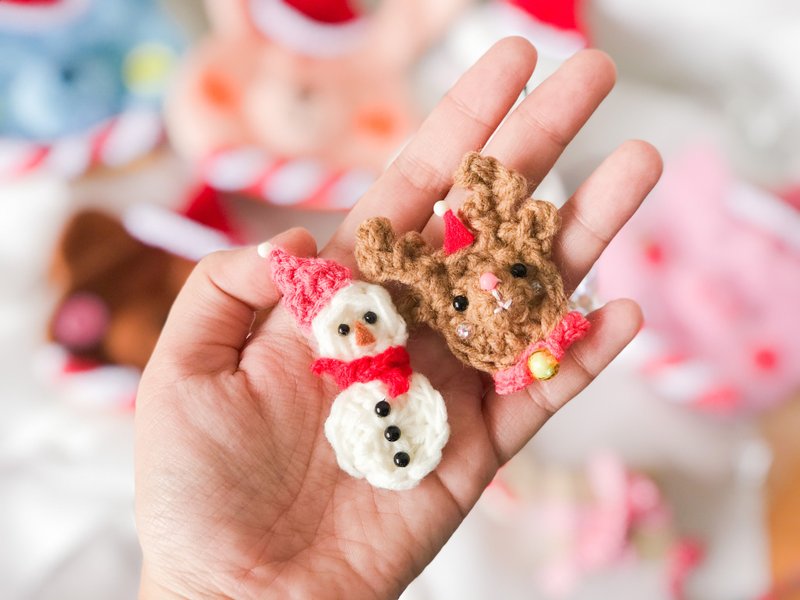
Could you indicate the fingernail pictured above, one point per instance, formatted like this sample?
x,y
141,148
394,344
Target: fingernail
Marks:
x,y
264,249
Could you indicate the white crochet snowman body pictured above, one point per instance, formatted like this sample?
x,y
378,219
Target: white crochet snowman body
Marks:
x,y
392,442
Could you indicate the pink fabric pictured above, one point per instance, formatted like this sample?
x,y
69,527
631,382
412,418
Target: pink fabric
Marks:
x,y
456,234
392,366
572,328
307,284
719,289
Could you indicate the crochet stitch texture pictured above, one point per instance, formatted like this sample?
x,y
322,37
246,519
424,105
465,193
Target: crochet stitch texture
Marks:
x,y
489,329
307,285
387,424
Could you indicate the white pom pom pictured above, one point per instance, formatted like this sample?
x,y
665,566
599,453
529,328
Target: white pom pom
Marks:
x,y
440,208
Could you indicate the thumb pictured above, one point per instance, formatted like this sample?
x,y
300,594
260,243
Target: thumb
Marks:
x,y
212,315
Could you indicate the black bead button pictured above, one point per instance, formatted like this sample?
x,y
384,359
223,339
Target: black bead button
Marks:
x,y
382,408
392,433
460,303
401,459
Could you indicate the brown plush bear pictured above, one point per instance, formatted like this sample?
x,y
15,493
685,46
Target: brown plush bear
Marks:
x,y
115,291
493,290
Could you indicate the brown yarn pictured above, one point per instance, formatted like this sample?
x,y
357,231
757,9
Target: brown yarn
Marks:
x,y
509,228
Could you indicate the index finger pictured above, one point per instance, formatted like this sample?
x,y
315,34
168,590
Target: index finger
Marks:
x,y
463,120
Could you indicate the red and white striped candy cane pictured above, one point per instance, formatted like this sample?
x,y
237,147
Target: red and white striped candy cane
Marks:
x,y
116,142
305,182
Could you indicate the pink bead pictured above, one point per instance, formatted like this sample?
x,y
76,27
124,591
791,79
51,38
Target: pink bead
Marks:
x,y
488,281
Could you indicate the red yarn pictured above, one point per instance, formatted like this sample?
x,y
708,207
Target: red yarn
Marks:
x,y
456,235
391,366
307,284
569,330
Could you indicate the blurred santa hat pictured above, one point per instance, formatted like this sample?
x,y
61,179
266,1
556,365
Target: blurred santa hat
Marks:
x,y
561,14
38,14
312,27
201,226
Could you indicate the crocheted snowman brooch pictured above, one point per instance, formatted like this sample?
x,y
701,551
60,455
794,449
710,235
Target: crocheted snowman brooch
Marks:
x,y
388,424
493,290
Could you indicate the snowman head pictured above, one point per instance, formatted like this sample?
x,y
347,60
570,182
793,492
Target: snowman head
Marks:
x,y
360,320
349,319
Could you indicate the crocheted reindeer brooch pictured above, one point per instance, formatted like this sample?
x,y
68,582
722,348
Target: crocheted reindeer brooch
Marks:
x,y
388,424
492,290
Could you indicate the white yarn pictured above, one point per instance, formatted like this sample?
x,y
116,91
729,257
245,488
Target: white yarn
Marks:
x,y
353,428
349,306
356,432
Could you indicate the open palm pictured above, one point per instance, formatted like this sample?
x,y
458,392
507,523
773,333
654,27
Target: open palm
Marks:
x,y
238,493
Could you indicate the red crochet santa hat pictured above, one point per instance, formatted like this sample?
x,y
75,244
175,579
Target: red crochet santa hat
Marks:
x,y
307,284
312,27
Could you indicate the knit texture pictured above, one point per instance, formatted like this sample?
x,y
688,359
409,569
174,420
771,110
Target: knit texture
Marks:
x,y
509,229
357,433
392,367
348,307
572,328
388,425
307,284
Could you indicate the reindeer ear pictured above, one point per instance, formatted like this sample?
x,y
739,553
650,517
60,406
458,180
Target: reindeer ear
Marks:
x,y
539,222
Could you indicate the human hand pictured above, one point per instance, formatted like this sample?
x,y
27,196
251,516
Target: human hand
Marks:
x,y
238,493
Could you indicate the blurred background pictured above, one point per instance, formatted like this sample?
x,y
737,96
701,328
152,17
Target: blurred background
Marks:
x,y
137,135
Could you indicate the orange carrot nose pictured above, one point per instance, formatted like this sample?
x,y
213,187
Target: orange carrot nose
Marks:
x,y
364,336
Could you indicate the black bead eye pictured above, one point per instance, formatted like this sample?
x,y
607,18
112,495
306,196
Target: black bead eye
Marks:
x,y
518,270
460,303
370,317
344,329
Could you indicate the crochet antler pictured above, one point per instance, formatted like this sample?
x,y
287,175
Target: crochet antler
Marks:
x,y
492,290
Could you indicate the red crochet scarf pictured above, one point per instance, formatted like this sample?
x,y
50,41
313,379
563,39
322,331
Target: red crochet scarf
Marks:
x,y
392,367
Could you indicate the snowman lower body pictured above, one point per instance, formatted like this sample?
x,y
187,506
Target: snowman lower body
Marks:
x,y
392,442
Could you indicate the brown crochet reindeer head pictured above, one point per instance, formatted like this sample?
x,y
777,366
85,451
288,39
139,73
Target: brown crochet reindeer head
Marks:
x,y
493,290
